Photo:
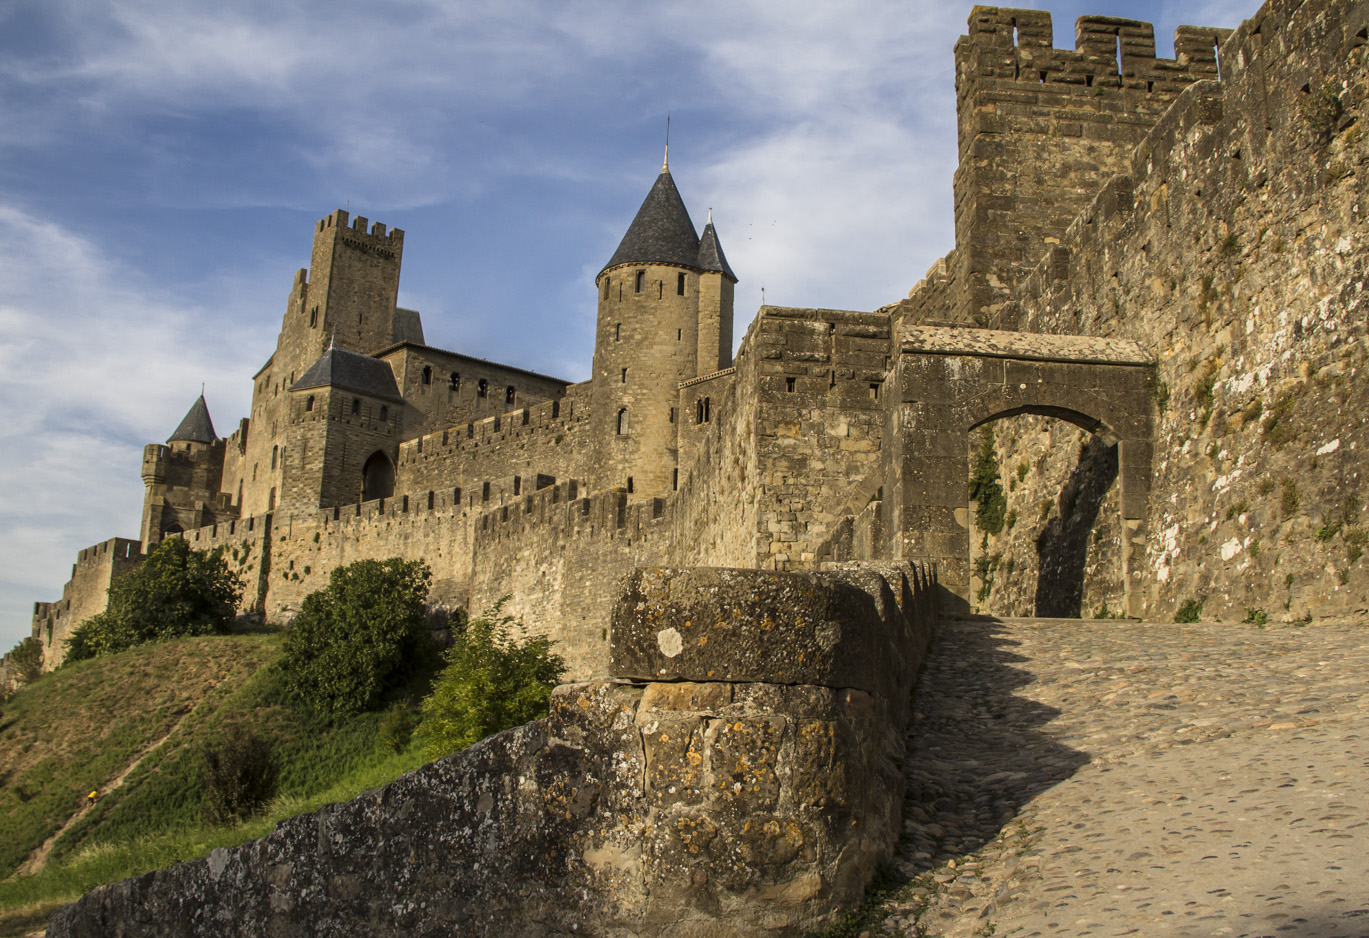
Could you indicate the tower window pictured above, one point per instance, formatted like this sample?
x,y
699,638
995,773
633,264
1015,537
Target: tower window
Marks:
x,y
356,406
789,385
482,389
624,376
660,289
309,404
679,334
622,422
275,451
617,332
679,284
874,392
675,480
607,281
672,415
629,485
641,280
384,414
510,395
313,317
427,375
702,408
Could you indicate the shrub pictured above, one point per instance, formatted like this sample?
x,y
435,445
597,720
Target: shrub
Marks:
x,y
239,774
986,487
397,725
176,591
1189,611
490,683
364,632
27,660
1255,616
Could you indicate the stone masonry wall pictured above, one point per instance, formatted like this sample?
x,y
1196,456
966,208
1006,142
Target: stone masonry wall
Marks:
x,y
1234,248
86,594
744,777
1042,128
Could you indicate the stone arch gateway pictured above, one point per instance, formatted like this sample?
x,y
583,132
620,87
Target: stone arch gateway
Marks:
x,y
951,381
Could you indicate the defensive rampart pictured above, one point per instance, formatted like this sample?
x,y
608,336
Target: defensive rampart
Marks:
x,y
1233,247
742,777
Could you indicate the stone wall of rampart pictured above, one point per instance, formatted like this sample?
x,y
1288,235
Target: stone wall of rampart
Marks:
x,y
1233,247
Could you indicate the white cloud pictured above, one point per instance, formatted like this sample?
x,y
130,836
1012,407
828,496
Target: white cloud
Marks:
x,y
92,366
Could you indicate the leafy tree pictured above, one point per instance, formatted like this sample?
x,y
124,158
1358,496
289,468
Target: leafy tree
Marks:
x,y
176,591
26,659
363,633
490,683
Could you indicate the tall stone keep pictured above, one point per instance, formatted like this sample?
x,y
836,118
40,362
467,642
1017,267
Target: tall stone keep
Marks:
x,y
665,316
1042,129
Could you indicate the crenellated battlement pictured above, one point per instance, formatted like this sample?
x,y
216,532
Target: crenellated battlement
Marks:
x,y
114,550
537,419
357,230
1109,52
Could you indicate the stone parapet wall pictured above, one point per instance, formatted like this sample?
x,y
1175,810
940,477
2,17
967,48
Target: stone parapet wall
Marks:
x,y
1233,248
549,437
729,802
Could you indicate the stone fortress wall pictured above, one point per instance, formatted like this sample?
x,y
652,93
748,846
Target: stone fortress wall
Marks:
x,y
1232,245
1166,223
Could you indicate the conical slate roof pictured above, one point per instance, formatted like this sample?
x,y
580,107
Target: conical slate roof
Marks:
x,y
662,232
711,256
340,368
196,427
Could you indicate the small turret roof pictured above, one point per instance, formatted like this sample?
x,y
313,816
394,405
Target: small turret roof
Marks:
x,y
196,427
662,232
340,368
711,256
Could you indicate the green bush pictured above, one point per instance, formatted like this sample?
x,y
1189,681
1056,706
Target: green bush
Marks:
x,y
362,634
490,683
27,660
176,591
239,775
1189,611
397,726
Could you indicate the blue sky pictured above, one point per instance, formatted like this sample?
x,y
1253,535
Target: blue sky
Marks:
x,y
162,163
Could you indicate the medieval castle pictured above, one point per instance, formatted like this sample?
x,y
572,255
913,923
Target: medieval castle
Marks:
x,y
1144,358
1155,299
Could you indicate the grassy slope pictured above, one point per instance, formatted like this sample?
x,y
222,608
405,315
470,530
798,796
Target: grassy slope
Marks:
x,y
79,728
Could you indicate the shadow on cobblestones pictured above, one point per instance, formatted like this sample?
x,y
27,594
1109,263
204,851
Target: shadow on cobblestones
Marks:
x,y
976,754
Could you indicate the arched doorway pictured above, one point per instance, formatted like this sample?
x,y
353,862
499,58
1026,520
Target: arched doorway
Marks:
x,y
377,477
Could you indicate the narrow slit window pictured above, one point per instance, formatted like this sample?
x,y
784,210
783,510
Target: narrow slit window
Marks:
x,y
622,422
607,281
356,406
641,280
510,395
384,414
789,385
629,485
482,389
675,480
618,332
309,404
679,284
624,376
427,375
455,381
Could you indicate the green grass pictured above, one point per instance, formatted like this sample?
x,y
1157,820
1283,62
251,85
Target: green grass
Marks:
x,y
78,728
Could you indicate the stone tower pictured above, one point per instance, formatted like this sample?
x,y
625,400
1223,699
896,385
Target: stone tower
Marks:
x,y
347,297
1042,129
183,478
665,316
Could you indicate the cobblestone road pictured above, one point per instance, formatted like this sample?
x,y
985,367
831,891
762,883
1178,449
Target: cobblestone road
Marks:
x,y
1107,778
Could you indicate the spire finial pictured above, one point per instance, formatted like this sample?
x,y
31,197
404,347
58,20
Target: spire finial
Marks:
x,y
665,164
710,214
201,389
332,340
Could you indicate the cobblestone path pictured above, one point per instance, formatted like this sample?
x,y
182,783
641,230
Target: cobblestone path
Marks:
x,y
1104,778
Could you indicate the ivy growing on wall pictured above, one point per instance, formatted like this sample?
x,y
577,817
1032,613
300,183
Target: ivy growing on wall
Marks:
x,y
986,486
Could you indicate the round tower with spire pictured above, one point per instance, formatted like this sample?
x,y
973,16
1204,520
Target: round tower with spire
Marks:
x,y
665,316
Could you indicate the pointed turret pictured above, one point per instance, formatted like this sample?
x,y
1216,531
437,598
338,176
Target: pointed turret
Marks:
x,y
711,256
196,427
661,233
